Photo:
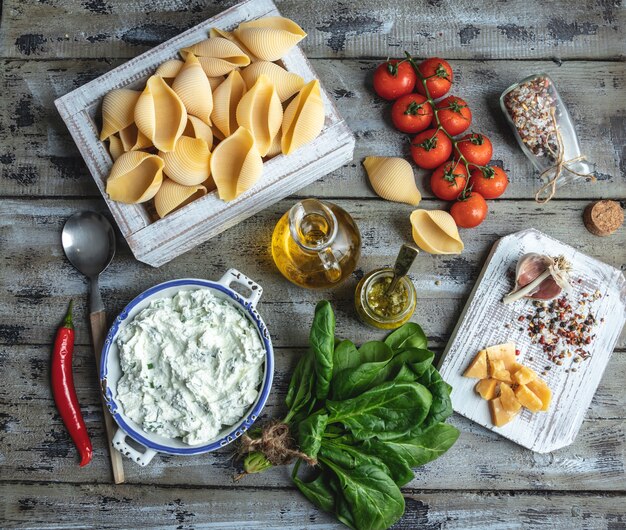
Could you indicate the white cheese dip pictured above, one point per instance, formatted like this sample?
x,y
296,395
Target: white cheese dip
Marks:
x,y
191,365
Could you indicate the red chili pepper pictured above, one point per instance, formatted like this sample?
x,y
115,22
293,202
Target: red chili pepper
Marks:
x,y
63,388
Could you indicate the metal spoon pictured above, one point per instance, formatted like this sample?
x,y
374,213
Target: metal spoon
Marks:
x,y
405,259
89,243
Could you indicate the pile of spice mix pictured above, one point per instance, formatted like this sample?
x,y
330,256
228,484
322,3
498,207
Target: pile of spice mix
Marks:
x,y
530,106
563,329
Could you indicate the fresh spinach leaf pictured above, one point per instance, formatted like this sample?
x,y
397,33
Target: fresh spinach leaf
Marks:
x,y
398,468
405,375
409,335
350,456
310,432
301,387
425,447
387,411
418,359
322,340
375,356
346,356
343,512
441,407
318,492
374,498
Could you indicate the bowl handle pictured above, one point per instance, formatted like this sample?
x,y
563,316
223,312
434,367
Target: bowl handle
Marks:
x,y
119,443
233,276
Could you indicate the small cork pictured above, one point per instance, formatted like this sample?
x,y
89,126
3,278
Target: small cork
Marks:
x,y
602,218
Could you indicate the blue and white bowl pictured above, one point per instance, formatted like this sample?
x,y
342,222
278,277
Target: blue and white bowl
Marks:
x,y
111,372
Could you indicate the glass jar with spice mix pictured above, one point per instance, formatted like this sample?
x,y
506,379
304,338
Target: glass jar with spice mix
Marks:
x,y
545,131
379,308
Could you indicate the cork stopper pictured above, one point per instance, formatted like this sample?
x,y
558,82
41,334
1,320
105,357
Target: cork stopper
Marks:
x,y
602,218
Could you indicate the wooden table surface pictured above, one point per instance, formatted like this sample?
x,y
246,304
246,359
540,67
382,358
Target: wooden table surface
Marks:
x,y
49,47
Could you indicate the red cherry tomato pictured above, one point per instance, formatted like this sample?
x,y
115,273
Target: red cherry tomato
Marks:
x,y
469,211
448,180
394,78
454,115
412,113
489,181
476,148
438,75
431,148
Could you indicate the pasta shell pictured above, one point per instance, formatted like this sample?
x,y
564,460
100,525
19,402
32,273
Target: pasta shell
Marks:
x,y
286,83
135,177
160,114
188,163
196,128
215,81
435,231
275,149
193,88
229,35
173,196
392,179
236,164
115,147
132,139
118,107
169,69
304,118
270,38
218,56
225,101
261,113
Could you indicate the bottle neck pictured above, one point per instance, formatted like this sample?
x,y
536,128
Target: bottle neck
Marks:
x,y
313,225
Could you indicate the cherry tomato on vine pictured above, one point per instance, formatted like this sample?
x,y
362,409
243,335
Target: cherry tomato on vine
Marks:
x,y
448,180
412,113
469,211
476,148
431,148
489,181
454,115
438,75
394,78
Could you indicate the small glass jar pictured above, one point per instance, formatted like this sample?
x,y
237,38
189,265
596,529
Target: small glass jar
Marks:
x,y
381,310
545,131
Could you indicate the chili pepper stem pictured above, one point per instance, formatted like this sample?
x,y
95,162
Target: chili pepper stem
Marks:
x,y
67,320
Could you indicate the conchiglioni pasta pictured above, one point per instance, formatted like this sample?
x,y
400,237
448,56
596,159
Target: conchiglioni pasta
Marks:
x,y
229,35
135,177
132,139
169,69
225,100
261,113
218,56
196,128
286,83
393,179
275,149
194,89
270,38
236,165
304,118
160,114
173,196
115,147
435,231
118,108
188,163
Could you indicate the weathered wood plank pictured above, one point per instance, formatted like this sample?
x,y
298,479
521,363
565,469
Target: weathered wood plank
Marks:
x,y
97,506
495,30
37,281
39,158
35,445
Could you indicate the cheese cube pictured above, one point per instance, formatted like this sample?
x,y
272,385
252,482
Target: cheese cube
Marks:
x,y
478,367
524,375
527,398
508,399
542,391
503,352
500,416
496,365
487,388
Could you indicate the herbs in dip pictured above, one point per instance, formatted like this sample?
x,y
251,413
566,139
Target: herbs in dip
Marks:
x,y
191,364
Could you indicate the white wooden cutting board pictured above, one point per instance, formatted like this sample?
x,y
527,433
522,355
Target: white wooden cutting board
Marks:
x,y
482,324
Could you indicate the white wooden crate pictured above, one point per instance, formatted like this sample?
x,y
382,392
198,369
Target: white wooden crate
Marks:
x,y
158,241
482,324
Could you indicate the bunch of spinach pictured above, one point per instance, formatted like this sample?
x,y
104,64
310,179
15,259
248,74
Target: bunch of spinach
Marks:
x,y
368,416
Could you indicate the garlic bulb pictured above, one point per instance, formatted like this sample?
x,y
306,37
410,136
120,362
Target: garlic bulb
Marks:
x,y
539,277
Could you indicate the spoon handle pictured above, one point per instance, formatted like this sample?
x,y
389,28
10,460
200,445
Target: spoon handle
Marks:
x,y
405,259
98,330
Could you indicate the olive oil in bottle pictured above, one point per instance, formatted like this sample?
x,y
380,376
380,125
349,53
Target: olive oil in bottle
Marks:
x,y
316,244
